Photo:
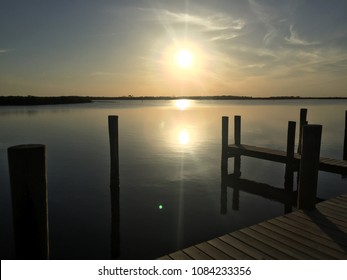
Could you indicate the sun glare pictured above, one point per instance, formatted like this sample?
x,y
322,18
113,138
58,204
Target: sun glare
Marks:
x,y
183,137
184,58
182,104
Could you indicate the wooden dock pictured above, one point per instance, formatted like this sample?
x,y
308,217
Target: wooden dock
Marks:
x,y
316,234
325,164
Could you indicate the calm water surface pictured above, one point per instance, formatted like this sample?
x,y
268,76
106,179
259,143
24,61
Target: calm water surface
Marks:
x,y
170,178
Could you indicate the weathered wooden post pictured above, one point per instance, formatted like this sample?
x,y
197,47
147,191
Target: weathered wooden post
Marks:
x,y
27,169
303,121
225,136
114,152
237,130
114,186
345,139
309,166
289,170
237,135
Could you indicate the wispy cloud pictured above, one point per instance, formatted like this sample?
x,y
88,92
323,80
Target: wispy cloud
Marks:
x,y
215,22
294,38
4,50
216,26
102,74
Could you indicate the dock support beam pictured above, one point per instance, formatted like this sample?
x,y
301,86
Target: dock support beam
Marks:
x,y
309,166
27,168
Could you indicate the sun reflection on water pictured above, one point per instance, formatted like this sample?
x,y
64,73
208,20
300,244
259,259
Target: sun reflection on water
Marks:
x,y
182,104
183,137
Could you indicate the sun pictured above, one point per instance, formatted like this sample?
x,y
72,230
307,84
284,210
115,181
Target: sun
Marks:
x,y
184,58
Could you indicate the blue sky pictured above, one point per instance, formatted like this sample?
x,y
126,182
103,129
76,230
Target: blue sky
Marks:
x,y
115,48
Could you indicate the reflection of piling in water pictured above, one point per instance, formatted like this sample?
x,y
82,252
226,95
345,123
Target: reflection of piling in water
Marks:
x,y
27,168
114,186
115,223
309,166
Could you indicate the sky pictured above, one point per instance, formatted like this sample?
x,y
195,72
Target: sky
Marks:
x,y
127,47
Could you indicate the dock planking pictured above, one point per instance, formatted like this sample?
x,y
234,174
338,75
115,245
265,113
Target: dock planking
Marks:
x,y
325,164
316,234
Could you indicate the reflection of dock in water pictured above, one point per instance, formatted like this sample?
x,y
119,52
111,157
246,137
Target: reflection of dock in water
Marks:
x,y
317,234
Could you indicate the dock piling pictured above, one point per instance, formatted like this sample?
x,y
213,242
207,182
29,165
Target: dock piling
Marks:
x,y
303,121
225,136
237,130
345,139
289,169
309,166
114,152
27,169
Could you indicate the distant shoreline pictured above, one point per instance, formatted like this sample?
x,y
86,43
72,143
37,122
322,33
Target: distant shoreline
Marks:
x,y
56,100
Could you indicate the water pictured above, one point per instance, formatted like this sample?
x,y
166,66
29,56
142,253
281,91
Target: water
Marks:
x,y
170,179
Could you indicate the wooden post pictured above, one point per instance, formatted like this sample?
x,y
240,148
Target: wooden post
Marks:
x,y
113,136
225,136
303,121
345,139
27,169
288,183
289,170
237,130
291,140
114,186
309,166
237,135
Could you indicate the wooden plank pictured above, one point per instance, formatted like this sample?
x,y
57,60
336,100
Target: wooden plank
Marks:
x,y
196,254
229,250
292,247
213,252
325,220
317,228
259,245
324,251
243,247
283,244
325,164
335,207
337,203
166,257
333,214
179,255
316,234
318,237
258,152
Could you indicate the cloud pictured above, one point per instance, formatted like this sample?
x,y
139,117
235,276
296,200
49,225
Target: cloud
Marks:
x,y
216,26
104,74
4,50
215,22
295,40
